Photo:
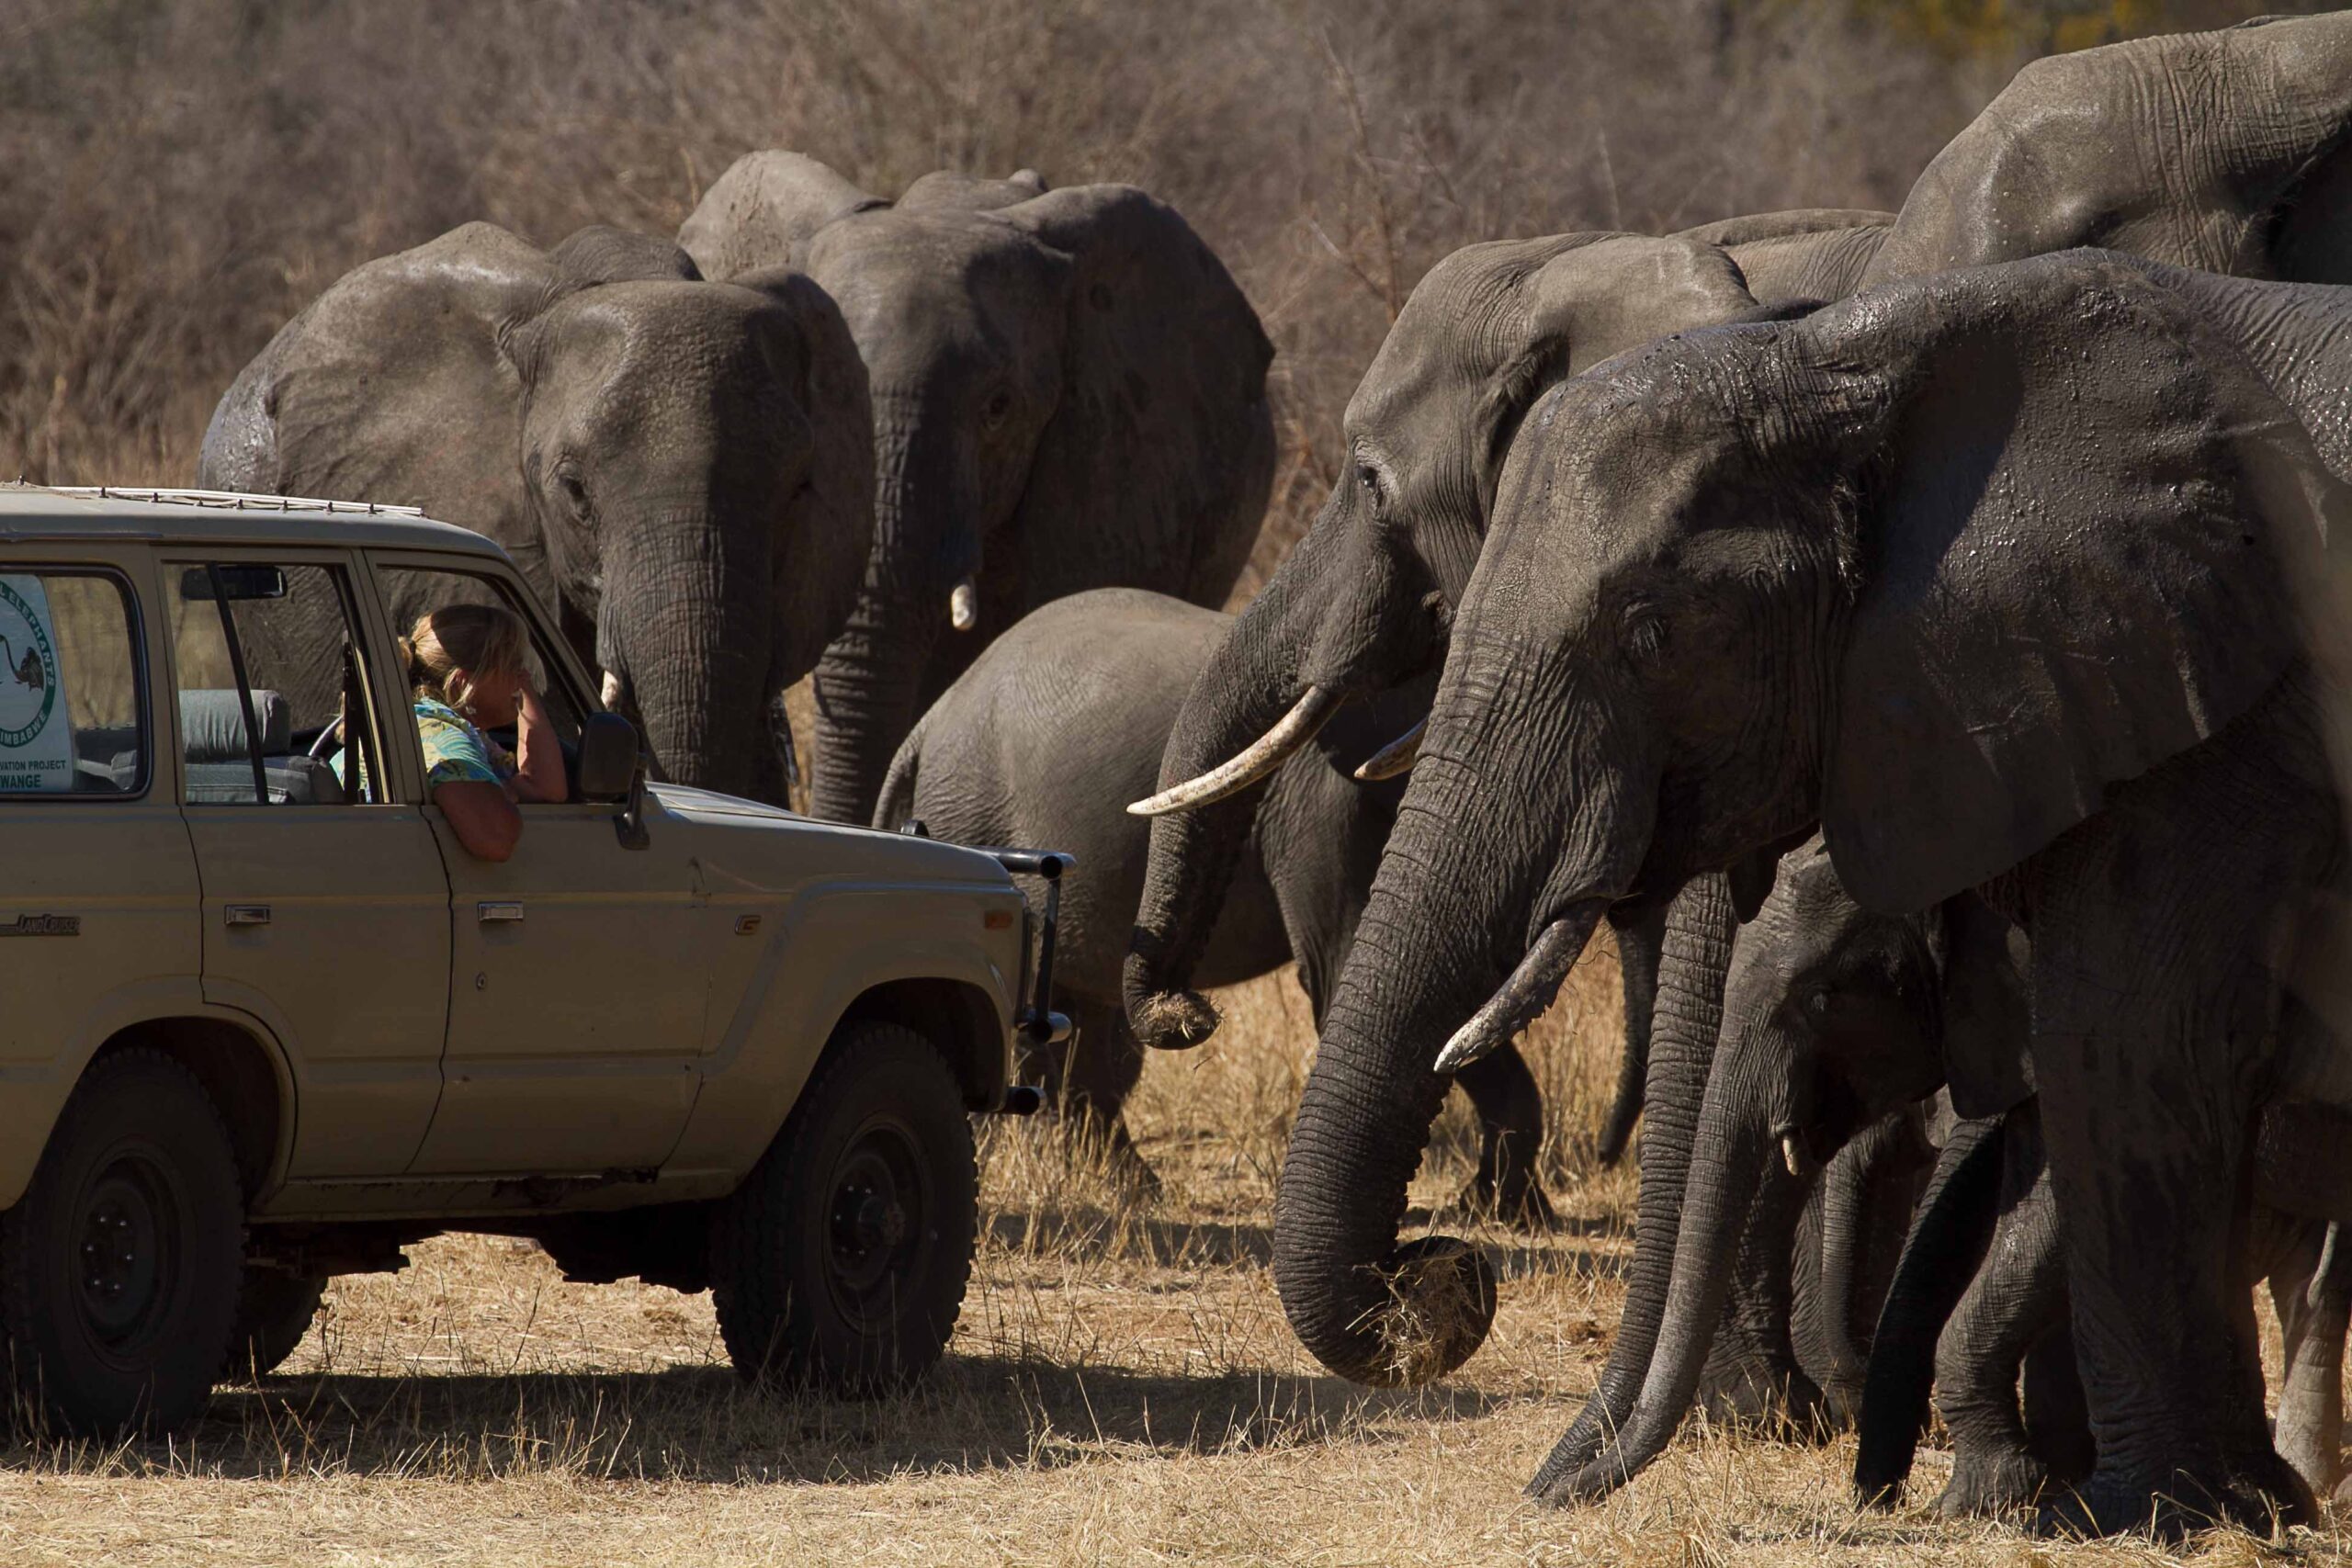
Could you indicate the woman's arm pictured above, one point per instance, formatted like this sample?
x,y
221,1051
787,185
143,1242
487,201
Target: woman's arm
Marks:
x,y
539,758
480,813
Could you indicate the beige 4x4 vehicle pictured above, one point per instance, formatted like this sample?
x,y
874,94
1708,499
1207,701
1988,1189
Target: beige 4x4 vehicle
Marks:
x,y
260,1025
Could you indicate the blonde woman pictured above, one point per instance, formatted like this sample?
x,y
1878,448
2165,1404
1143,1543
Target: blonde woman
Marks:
x,y
466,665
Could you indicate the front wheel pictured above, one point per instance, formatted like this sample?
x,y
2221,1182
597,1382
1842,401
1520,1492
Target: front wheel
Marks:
x,y
841,1261
119,1267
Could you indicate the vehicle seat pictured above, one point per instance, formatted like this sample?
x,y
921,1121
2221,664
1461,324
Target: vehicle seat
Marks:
x,y
219,766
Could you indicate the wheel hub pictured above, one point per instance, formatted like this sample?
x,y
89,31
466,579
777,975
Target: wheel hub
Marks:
x,y
874,1218
123,1258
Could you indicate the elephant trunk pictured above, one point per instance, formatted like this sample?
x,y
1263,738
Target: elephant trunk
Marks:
x,y
1367,1308
690,649
1726,1171
1242,692
1946,1243
870,680
1694,953
1640,940
1851,1184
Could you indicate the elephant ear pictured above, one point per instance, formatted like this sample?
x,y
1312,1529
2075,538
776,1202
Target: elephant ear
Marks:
x,y
2073,503
394,385
828,524
601,254
1987,1026
1162,441
971,193
764,211
1595,302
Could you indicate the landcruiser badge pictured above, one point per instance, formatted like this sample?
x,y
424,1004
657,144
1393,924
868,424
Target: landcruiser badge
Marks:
x,y
44,925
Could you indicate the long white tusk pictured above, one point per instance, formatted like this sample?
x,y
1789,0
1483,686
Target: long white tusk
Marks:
x,y
1260,758
613,692
1527,993
1395,758
964,607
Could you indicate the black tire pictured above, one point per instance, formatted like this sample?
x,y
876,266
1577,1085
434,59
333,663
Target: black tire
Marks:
x,y
840,1262
273,1314
119,1267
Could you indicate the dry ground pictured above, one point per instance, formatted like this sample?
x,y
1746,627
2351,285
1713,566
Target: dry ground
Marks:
x,y
1122,1388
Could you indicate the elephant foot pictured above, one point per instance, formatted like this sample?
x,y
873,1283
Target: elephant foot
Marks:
x,y
1991,1482
2259,1493
1779,1404
1173,1020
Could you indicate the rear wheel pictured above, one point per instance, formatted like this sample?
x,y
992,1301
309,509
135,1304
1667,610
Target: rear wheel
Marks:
x,y
273,1314
119,1267
842,1260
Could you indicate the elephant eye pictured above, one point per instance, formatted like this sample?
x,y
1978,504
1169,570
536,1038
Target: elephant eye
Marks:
x,y
1646,635
574,493
998,409
1368,480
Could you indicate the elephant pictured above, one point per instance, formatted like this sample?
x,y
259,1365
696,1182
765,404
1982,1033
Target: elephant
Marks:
x,y
1981,1297
679,467
1970,573
1061,719
1069,392
2266,172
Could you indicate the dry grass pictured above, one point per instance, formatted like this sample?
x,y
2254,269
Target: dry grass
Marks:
x,y
1122,1389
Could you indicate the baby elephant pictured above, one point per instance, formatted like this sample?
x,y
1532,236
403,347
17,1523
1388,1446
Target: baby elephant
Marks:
x,y
1061,723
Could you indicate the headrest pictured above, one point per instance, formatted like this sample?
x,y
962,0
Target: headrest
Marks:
x,y
213,728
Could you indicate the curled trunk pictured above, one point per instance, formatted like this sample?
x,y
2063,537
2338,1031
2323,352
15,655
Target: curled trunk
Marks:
x,y
1695,952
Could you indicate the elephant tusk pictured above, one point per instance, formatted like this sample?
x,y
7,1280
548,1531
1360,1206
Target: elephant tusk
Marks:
x,y
1261,757
964,607
613,692
1527,993
1792,1155
1395,758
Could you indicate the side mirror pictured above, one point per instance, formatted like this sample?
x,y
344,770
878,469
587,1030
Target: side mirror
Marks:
x,y
608,754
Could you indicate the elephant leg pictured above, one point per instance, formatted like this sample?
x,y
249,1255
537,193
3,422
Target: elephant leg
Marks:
x,y
1511,1123
2312,1295
1090,1080
2142,1025
2017,1297
1859,1214
2057,1419
1751,1376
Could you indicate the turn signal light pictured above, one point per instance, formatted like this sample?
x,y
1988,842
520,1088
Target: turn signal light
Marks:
x,y
997,919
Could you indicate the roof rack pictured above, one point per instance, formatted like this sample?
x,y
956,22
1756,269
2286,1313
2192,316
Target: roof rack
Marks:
x,y
234,501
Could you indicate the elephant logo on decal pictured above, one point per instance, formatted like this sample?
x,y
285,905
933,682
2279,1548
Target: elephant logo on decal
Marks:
x,y
28,693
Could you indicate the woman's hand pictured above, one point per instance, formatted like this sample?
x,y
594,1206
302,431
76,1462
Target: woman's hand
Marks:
x,y
539,757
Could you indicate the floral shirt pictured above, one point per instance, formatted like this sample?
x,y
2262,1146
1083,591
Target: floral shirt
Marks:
x,y
455,750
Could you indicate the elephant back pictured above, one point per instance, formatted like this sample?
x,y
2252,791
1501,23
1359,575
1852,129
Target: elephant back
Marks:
x,y
764,211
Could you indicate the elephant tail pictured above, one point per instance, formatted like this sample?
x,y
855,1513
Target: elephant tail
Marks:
x,y
898,800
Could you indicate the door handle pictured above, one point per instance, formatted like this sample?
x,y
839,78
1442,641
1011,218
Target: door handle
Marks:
x,y
244,914
498,909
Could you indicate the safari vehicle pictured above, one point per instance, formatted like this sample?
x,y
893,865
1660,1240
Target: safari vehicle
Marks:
x,y
260,1026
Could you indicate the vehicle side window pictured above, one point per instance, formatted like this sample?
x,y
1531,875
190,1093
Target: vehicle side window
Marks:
x,y
272,686
413,592
73,715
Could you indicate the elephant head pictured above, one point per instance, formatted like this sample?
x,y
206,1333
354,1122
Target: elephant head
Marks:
x,y
680,467
1929,567
1069,392
1361,602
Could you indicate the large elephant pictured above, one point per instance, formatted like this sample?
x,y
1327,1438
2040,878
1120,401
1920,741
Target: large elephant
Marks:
x,y
1069,392
1061,720
680,467
2251,177
1969,571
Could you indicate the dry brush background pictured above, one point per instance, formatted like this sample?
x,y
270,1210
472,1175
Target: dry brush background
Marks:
x,y
179,177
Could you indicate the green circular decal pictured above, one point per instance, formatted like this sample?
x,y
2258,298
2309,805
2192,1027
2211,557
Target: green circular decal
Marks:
x,y
28,672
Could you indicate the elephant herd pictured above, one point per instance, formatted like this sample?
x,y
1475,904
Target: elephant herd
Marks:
x,y
1918,635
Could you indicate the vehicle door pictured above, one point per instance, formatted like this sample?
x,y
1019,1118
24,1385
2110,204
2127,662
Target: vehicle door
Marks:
x,y
98,888
579,963
326,908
